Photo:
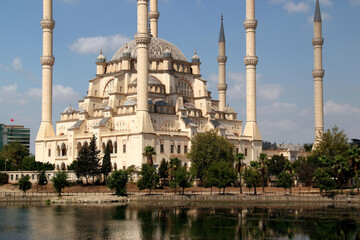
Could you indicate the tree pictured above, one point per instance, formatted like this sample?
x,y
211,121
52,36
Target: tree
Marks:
x,y
308,147
4,178
354,155
163,170
82,164
208,148
118,180
60,181
182,178
304,169
25,184
94,159
149,152
263,169
149,178
276,165
340,167
221,175
332,143
252,177
14,152
42,179
323,180
285,180
106,163
239,165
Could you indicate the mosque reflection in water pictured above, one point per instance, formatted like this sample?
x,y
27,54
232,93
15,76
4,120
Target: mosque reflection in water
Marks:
x,y
192,222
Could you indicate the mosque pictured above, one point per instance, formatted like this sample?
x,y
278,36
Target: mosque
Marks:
x,y
147,94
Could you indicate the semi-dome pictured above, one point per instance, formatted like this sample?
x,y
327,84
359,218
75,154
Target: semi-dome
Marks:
x,y
152,81
157,48
69,110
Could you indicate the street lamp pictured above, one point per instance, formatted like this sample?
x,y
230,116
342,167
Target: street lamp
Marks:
x,y
5,164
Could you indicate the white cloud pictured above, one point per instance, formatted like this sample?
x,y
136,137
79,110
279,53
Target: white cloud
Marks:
x,y
10,94
278,108
64,94
237,81
86,45
293,7
269,92
17,64
333,108
354,2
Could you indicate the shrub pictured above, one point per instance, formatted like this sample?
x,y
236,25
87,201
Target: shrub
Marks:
x,y
117,181
4,178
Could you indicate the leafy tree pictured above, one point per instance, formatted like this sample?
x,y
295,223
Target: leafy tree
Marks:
x,y
276,165
42,179
60,181
323,180
94,160
15,153
221,175
118,180
263,170
208,148
163,170
25,184
239,165
354,156
333,142
149,178
304,169
4,178
82,164
285,180
341,168
308,147
149,152
182,178
106,163
357,180
252,177
174,164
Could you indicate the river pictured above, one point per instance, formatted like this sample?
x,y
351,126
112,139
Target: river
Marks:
x,y
169,221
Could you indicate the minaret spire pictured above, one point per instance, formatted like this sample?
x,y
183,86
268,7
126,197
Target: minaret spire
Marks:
x,y
222,86
251,60
143,39
154,16
318,75
47,60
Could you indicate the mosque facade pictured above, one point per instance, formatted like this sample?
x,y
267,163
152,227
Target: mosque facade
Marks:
x,y
147,94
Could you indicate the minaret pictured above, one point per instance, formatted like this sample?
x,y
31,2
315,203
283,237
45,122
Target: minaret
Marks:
x,y
154,16
251,60
47,60
143,39
222,86
318,75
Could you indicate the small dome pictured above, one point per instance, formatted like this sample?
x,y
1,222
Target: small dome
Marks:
x,y
101,58
160,102
133,101
152,81
69,110
167,53
229,110
126,53
195,58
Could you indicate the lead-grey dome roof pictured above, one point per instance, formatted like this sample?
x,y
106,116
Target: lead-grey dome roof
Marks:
x,y
157,47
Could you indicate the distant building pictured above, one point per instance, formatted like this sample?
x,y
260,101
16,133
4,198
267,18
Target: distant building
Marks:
x,y
355,142
289,151
14,133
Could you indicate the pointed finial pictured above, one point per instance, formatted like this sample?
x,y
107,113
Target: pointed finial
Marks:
x,y
222,33
195,53
317,15
100,50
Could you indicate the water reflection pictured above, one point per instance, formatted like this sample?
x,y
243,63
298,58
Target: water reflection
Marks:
x,y
137,221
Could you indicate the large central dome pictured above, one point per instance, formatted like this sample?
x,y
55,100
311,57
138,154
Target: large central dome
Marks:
x,y
157,47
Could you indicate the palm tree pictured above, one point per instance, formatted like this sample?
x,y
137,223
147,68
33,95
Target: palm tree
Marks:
x,y
354,155
239,165
263,169
340,166
289,169
149,152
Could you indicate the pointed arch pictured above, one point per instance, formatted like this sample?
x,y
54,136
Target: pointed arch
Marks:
x,y
63,150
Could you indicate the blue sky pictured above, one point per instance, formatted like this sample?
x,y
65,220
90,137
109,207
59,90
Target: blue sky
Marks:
x,y
284,34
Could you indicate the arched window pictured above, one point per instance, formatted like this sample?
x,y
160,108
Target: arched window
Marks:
x,y
111,166
58,151
57,167
115,147
86,144
115,166
111,146
63,166
78,147
103,148
63,150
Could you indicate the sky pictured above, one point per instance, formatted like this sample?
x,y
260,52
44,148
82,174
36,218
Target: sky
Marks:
x,y
285,95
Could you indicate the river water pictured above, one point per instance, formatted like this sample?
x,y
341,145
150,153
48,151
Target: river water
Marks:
x,y
168,221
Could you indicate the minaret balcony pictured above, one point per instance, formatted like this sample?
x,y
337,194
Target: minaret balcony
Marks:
x,y
251,60
47,24
222,59
318,73
250,24
47,60
318,41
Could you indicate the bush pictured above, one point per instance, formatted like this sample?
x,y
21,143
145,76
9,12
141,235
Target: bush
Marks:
x,y
60,181
25,184
4,178
117,181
